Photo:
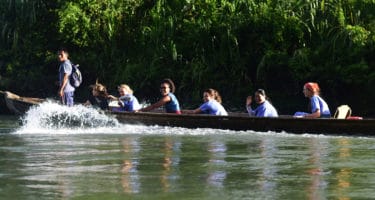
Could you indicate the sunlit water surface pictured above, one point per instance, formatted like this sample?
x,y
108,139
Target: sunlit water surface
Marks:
x,y
55,152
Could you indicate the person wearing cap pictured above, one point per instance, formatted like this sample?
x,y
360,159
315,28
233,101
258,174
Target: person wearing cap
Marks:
x,y
127,101
264,108
319,108
212,104
168,99
99,97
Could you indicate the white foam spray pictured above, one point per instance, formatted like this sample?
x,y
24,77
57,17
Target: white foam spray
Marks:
x,y
53,117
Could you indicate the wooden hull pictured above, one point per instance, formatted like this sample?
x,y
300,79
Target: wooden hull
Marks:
x,y
287,124
19,105
3,106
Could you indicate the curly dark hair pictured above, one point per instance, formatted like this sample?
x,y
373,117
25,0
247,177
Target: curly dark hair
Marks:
x,y
170,83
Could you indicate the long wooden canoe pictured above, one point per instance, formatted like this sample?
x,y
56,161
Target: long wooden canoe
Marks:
x,y
287,124
235,121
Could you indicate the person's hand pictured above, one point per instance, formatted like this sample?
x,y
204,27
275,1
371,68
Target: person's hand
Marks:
x,y
112,97
61,93
249,99
186,111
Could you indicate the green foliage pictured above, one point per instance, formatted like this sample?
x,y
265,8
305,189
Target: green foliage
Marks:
x,y
357,35
74,25
16,17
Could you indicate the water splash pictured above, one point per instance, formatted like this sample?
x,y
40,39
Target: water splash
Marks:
x,y
50,116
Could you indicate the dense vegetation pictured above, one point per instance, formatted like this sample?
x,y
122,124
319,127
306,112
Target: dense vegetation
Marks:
x,y
234,46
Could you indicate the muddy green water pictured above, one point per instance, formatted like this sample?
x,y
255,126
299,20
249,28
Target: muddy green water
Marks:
x,y
38,161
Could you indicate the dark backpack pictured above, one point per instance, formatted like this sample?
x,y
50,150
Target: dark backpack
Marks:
x,y
76,77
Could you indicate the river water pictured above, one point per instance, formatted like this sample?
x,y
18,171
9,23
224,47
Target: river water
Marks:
x,y
46,155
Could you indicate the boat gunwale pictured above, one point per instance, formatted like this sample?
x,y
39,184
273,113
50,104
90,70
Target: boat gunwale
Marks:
x,y
234,116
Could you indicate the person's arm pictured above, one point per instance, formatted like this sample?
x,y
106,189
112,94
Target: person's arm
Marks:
x,y
196,111
249,99
63,84
315,114
250,110
111,97
158,104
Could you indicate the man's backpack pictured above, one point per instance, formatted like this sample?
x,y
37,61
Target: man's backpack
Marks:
x,y
76,77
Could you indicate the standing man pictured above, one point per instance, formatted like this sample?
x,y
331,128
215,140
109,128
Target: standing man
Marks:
x,y
66,91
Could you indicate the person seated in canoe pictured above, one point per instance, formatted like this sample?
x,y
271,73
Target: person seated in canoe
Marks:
x,y
99,97
212,104
168,99
264,108
127,101
319,108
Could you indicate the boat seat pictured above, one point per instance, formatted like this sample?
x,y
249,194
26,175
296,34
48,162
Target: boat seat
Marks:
x,y
343,112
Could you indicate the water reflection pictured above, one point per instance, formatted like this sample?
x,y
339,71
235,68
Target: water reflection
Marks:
x,y
344,174
171,161
268,150
130,177
316,170
216,162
